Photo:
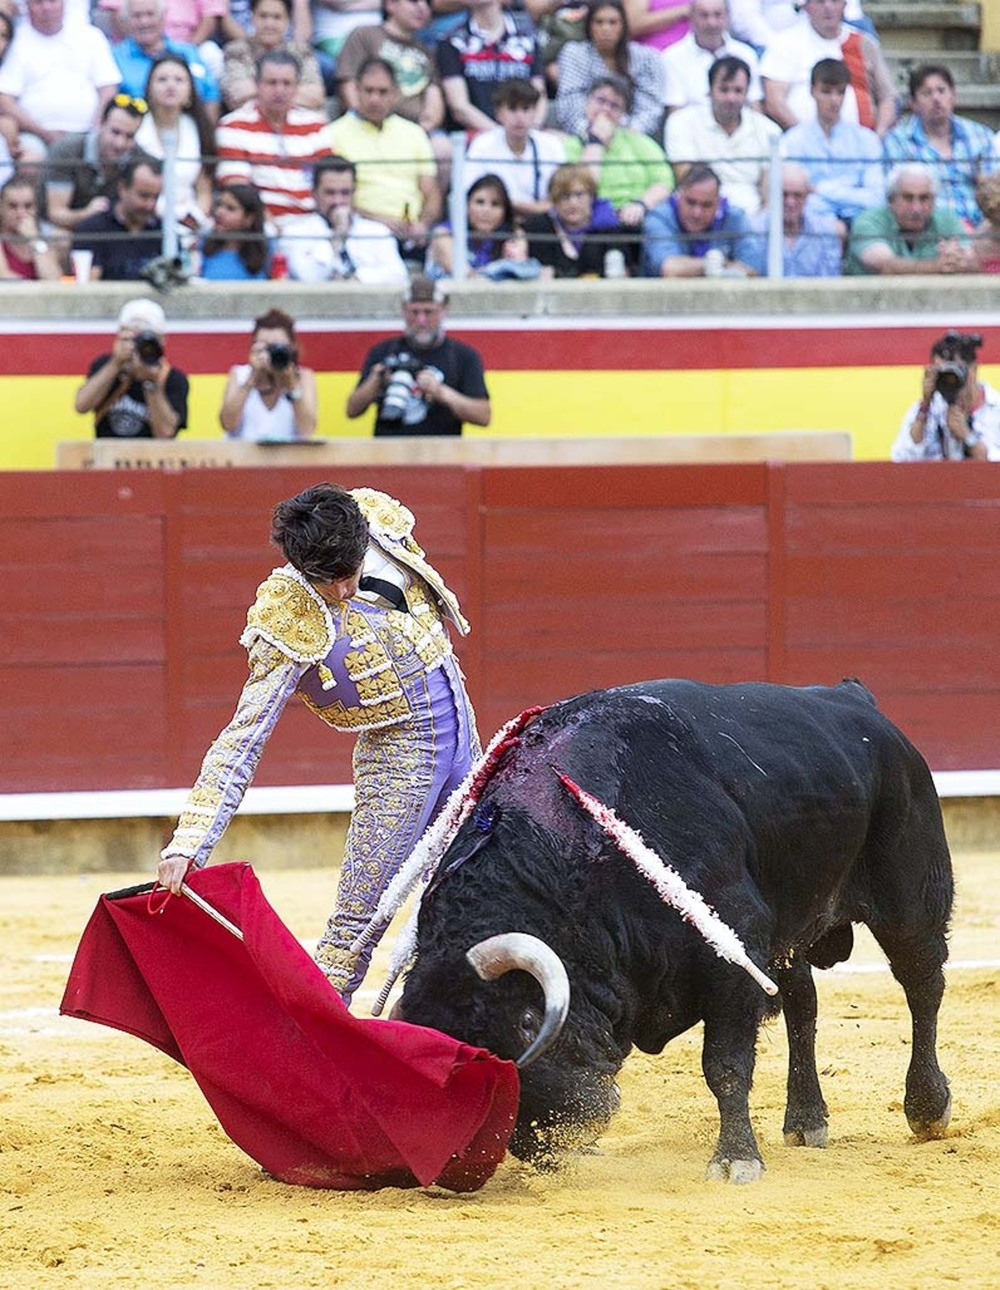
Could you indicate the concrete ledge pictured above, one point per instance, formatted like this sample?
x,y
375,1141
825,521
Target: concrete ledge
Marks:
x,y
95,306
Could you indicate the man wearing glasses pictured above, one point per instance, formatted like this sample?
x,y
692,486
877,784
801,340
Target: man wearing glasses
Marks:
x,y
82,170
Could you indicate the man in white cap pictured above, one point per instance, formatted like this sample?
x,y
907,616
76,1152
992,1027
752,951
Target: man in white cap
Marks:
x,y
134,392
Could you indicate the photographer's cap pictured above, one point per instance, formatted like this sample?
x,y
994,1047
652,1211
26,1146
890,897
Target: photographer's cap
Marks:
x,y
424,291
143,315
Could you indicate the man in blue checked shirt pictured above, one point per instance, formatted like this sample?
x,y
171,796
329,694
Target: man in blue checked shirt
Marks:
x,y
959,150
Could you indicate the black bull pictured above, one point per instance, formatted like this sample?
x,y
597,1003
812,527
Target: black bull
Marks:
x,y
794,812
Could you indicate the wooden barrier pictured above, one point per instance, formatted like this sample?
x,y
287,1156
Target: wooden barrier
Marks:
x,y
125,593
150,454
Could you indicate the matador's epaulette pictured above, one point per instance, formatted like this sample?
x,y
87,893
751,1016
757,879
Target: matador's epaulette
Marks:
x,y
390,526
292,616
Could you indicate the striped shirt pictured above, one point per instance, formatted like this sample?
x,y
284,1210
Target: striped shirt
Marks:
x,y
278,163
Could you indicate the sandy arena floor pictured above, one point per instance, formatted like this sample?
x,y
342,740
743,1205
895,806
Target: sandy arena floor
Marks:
x,y
113,1171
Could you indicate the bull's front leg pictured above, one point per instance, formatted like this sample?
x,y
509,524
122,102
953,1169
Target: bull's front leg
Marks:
x,y
727,1061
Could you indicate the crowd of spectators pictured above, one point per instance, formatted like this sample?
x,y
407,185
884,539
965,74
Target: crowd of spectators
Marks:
x,y
619,136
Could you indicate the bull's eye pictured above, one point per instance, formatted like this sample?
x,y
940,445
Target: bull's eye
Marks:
x,y
528,1025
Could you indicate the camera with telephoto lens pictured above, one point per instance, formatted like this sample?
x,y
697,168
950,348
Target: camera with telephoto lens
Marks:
x,y
403,369
958,351
148,347
280,356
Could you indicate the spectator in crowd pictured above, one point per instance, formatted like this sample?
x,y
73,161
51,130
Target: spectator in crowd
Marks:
x,y
235,249
734,139
958,149
631,170
657,23
572,239
957,417
335,242
493,44
696,219
82,170
193,23
821,32
271,30
911,234
10,142
135,392
238,23
333,21
758,21
687,64
175,110
423,382
397,180
24,253
145,40
812,241
125,238
271,143
844,160
56,77
396,40
271,398
523,157
987,239
497,248
608,50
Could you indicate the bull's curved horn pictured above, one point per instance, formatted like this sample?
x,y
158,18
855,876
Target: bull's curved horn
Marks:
x,y
499,954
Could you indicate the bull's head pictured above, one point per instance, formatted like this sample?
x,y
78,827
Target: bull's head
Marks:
x,y
568,1093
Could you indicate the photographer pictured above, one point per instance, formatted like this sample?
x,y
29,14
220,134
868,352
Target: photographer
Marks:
x,y
958,416
423,383
270,399
134,392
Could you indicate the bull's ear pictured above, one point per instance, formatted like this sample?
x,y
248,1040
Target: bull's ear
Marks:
x,y
512,951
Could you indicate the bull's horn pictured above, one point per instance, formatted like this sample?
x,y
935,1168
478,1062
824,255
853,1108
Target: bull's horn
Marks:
x,y
499,954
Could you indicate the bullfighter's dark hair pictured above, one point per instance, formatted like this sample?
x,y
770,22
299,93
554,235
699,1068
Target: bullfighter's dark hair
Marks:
x,y
322,533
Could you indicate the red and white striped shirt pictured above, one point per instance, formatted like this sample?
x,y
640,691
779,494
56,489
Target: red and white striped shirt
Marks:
x,y
277,162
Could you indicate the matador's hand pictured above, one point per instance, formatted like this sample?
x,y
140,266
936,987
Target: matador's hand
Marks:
x,y
170,873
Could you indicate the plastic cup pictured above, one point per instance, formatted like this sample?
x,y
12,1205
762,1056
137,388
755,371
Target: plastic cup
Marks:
x,y
82,262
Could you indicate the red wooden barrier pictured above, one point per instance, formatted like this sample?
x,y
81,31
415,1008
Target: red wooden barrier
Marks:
x,y
124,595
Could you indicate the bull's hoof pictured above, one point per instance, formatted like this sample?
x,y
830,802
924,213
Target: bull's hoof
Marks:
x,y
807,1137
734,1171
927,1130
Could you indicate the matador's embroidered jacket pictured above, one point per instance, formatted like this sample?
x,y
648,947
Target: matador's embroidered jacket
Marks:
x,y
354,663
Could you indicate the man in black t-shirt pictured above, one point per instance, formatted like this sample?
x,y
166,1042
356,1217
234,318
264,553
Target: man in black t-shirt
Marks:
x,y
133,392
124,239
423,382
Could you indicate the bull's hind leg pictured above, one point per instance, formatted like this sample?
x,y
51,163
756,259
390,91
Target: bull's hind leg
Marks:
x,y
917,964
805,1110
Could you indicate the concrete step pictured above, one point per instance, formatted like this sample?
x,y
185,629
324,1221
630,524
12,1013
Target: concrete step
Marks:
x,y
919,25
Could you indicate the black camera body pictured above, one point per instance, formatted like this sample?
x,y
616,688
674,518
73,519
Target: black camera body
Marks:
x,y
280,356
950,381
148,347
402,380
956,351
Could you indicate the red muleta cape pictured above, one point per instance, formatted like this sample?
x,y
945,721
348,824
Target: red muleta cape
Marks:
x,y
316,1096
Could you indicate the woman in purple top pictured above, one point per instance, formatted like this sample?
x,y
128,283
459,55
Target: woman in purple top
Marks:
x,y
572,239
